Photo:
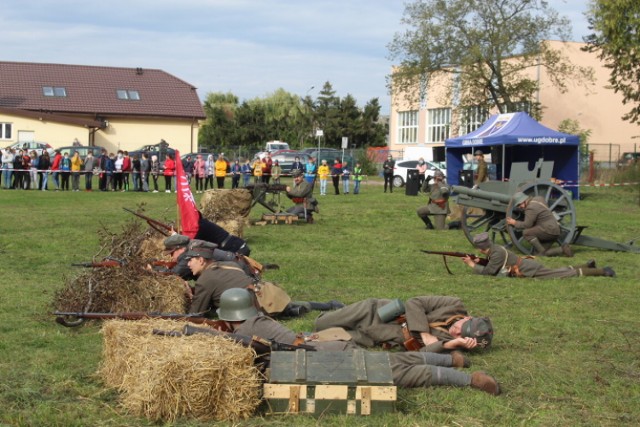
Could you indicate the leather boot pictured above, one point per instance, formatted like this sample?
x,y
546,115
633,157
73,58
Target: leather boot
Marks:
x,y
566,250
606,271
554,252
459,360
537,246
427,222
484,382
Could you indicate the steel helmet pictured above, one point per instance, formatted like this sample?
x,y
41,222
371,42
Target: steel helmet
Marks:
x,y
479,328
236,304
519,197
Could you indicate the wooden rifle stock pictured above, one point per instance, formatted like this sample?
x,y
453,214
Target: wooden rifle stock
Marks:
x,y
101,264
445,254
70,319
159,226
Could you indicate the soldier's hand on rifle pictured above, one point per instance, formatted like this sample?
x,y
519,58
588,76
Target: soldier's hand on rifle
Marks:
x,y
188,292
471,262
511,221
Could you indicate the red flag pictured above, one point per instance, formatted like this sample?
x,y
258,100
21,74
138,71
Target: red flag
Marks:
x,y
189,215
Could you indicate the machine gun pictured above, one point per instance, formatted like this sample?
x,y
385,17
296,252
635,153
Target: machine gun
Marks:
x,y
476,258
71,319
259,192
159,226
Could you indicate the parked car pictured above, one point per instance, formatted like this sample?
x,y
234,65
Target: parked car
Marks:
x,y
629,158
400,172
161,150
82,150
330,154
39,147
286,160
204,155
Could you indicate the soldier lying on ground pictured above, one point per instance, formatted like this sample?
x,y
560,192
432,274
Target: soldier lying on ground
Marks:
x,y
409,370
503,262
430,323
214,277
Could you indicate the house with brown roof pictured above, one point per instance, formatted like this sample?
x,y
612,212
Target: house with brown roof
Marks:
x,y
112,107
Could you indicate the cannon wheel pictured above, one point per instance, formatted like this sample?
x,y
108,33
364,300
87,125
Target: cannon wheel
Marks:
x,y
559,201
475,221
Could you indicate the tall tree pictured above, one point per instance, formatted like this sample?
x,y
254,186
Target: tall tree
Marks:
x,y
327,115
486,46
220,127
616,39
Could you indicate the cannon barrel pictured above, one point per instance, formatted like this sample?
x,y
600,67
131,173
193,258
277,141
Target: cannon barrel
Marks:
x,y
482,194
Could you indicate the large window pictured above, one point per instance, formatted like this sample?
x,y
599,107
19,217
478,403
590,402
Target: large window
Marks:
x,y
131,95
5,130
471,118
438,124
408,127
54,91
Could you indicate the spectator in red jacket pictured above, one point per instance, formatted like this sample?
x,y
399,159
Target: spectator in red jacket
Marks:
x,y
169,172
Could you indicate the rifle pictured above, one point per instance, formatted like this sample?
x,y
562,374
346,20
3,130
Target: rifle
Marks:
x,y
481,261
101,264
260,345
63,318
160,227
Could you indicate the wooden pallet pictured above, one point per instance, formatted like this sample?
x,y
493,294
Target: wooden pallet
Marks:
x,y
279,218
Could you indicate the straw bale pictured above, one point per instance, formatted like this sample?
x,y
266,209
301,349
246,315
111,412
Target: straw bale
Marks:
x,y
219,204
164,378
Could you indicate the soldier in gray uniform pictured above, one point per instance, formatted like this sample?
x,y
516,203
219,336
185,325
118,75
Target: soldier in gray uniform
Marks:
x,y
503,262
482,173
438,202
300,194
540,225
429,324
409,370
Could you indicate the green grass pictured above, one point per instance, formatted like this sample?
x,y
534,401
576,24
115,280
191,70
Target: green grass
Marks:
x,y
566,352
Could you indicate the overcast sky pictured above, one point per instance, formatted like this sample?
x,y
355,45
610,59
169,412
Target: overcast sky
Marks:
x,y
247,47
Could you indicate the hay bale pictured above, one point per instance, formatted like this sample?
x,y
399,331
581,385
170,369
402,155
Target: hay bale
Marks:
x,y
220,205
163,378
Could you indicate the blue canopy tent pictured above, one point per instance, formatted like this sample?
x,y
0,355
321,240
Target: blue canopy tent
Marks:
x,y
516,137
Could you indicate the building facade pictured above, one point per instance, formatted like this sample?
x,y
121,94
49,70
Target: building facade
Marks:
x,y
427,123
116,108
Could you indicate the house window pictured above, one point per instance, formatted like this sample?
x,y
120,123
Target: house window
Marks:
x,y
522,106
125,94
5,130
438,124
471,118
57,91
407,127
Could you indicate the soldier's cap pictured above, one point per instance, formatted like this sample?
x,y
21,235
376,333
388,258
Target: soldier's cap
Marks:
x,y
482,241
438,174
197,243
519,198
205,253
479,328
296,173
478,153
174,242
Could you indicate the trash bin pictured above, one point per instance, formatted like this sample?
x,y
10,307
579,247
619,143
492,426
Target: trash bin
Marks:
x,y
413,182
466,178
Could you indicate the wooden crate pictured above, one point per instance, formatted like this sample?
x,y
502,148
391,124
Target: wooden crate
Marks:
x,y
279,218
347,382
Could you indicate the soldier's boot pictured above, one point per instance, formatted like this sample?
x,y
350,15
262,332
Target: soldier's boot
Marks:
x,y
326,306
554,252
538,249
606,272
589,264
484,382
427,222
566,250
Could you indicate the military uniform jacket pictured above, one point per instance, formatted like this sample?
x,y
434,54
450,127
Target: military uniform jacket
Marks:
x,y
501,258
482,175
537,213
300,191
361,320
213,281
438,197
266,327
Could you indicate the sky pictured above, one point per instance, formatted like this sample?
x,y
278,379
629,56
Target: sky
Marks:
x,y
250,48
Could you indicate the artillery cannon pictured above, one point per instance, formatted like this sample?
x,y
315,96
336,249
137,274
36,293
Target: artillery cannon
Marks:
x,y
487,207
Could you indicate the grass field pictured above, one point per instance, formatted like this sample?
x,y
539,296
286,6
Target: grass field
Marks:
x,y
566,352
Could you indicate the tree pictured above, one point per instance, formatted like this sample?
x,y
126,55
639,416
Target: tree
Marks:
x,y
616,39
486,46
220,127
